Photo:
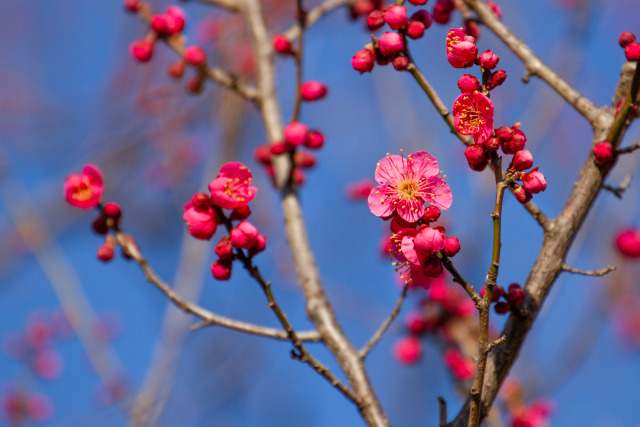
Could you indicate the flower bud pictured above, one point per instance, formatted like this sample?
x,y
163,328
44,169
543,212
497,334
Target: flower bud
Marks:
x,y
416,323
282,45
400,63
476,157
176,69
632,52
516,143
504,134
516,295
201,201
295,133
298,176
312,91
415,29
105,252
451,246
99,226
194,55
398,224
433,267
141,50
259,245
522,160
304,159
628,243
112,210
175,18
396,17
441,16
135,5
488,60
408,350
501,307
496,79
262,154
195,84
603,152
223,248
244,235
496,293
431,213
158,24
491,144
495,9
424,17
429,240
521,194
363,61
470,28
534,182
279,148
375,20
240,213
626,38
315,139
418,2
221,269
468,83
390,44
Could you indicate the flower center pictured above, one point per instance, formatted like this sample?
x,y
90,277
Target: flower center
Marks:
x,y
408,187
83,191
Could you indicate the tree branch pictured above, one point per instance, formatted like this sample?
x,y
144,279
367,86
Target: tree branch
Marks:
x,y
457,278
629,149
600,272
535,66
314,15
383,328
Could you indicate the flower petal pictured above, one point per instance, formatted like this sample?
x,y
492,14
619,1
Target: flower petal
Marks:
x,y
379,203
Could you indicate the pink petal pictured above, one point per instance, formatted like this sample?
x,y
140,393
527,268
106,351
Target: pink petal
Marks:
x,y
440,193
423,164
379,204
410,210
389,169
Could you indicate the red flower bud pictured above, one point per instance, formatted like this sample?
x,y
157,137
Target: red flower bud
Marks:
x,y
496,293
632,52
626,38
522,160
470,28
262,154
521,194
279,148
504,134
501,307
363,61
491,144
304,159
468,83
259,245
295,133
105,252
240,213
451,246
132,5
488,60
315,139
298,176
224,249
628,243
312,91
282,45
176,69
142,50
495,9
461,49
221,269
516,143
418,2
429,240
476,157
496,79
603,152
400,63
390,44
375,20
433,267
415,29
201,201
195,84
194,55
244,235
516,295
431,213
408,350
396,17
424,17
99,226
534,182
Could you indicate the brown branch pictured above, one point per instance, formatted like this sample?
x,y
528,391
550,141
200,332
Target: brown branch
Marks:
x,y
557,241
203,313
629,149
383,328
443,411
600,272
535,66
457,278
535,212
494,343
620,189
314,15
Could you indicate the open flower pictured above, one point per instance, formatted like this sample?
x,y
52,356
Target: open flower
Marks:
x,y
473,115
406,185
461,49
232,189
84,190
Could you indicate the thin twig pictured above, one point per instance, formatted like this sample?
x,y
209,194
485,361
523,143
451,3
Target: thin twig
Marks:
x,y
204,314
629,149
535,212
383,328
620,189
457,278
314,15
600,272
494,343
534,65
443,411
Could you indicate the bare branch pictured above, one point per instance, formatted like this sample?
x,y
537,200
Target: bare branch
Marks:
x,y
600,272
383,328
314,15
443,411
493,344
535,66
629,149
620,189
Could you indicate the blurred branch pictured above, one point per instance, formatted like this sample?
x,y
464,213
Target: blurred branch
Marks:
x,y
535,66
443,411
629,149
620,189
314,15
385,325
230,5
600,272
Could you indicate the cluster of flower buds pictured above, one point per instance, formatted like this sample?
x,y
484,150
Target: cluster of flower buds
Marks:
x,y
445,307
522,414
628,242
19,406
295,136
169,25
84,191
231,190
630,45
506,301
405,186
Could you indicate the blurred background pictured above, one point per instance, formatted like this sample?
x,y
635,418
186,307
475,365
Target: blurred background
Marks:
x,y
88,343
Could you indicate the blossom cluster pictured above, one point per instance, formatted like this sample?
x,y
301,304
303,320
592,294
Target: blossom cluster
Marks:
x,y
169,26
406,185
231,190
506,301
630,45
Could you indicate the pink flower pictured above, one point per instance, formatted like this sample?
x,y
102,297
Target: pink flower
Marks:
x,y
534,182
408,350
537,414
232,188
201,221
410,261
461,49
406,184
360,189
628,243
84,190
473,115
